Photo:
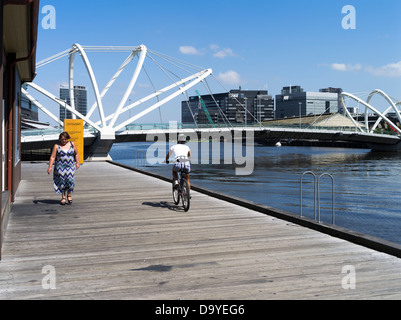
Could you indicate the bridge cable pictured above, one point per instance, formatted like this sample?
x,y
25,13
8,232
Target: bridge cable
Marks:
x,y
165,70
177,66
246,110
180,67
53,58
190,109
169,59
155,90
217,104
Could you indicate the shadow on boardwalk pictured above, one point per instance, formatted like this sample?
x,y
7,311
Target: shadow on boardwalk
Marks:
x,y
123,238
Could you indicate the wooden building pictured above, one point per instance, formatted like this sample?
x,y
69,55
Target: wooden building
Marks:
x,y
19,28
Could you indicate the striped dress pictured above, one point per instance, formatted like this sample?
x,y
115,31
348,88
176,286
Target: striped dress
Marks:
x,y
64,170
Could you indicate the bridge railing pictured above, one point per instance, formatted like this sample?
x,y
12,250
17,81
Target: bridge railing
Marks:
x,y
39,132
179,126
48,131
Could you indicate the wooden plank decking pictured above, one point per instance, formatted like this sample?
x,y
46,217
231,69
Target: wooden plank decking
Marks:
x,y
123,238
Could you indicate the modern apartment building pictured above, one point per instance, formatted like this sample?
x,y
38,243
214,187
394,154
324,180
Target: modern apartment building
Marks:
x,y
80,99
294,101
236,107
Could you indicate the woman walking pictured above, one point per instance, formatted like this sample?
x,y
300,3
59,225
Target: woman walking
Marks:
x,y
65,158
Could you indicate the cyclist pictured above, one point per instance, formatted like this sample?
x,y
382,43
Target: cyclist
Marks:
x,y
182,154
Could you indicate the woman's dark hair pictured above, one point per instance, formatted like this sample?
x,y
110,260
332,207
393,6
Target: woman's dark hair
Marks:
x,y
64,135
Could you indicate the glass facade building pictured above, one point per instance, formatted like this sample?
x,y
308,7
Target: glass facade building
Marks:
x,y
236,106
80,98
28,110
294,102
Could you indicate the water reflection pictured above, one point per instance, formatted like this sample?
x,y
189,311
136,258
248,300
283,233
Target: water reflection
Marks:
x,y
367,184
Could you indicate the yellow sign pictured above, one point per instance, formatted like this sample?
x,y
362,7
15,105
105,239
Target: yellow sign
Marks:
x,y
75,129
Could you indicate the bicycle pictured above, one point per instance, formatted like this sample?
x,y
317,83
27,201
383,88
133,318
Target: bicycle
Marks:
x,y
181,190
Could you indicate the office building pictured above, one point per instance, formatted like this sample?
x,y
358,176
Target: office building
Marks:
x,y
30,116
236,107
294,102
28,110
80,99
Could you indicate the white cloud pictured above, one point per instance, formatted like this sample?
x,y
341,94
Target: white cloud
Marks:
x,y
226,52
389,70
346,67
189,50
221,52
339,66
230,77
218,52
214,47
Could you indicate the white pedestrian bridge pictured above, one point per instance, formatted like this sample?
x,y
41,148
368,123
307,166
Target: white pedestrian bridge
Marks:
x,y
180,77
98,149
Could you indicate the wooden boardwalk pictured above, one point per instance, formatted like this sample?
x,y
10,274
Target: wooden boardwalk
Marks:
x,y
123,238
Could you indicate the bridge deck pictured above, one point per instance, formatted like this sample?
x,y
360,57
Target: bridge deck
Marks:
x,y
124,239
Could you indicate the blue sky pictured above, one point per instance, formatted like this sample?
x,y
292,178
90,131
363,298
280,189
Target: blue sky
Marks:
x,y
252,44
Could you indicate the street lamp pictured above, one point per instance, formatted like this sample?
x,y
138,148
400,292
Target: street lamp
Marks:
x,y
314,114
65,110
300,121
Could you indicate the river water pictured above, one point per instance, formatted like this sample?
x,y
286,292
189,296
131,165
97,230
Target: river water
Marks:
x,y
367,185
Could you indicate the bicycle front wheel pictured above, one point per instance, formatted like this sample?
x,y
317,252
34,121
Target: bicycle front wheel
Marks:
x,y
185,195
176,195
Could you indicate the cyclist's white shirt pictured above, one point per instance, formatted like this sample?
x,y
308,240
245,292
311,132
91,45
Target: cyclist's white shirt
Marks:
x,y
180,150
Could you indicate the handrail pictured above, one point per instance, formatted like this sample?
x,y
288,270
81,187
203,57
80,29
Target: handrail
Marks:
x,y
140,158
332,196
316,195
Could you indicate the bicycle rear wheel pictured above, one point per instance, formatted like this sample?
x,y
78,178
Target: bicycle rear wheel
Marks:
x,y
185,195
176,195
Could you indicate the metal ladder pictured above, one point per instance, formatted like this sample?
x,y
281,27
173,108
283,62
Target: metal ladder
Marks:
x,y
316,195
140,158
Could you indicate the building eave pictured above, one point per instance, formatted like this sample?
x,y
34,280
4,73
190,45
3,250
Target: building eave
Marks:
x,y
20,21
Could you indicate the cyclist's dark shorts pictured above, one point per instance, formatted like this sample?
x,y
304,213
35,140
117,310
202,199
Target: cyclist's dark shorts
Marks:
x,y
186,165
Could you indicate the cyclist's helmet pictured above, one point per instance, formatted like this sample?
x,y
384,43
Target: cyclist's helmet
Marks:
x,y
182,138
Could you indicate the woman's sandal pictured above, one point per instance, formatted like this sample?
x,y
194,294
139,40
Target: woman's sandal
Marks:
x,y
69,200
62,202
